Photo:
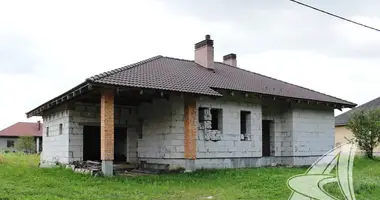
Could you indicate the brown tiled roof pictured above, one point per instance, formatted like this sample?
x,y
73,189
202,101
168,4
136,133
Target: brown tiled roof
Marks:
x,y
172,74
344,118
180,75
22,129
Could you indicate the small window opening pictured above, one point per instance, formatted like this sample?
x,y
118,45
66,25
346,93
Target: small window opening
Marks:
x,y
216,119
245,125
60,129
10,143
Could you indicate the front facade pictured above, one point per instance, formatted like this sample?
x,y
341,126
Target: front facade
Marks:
x,y
10,135
343,133
188,114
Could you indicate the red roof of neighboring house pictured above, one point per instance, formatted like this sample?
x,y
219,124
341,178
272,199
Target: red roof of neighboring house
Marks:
x,y
23,129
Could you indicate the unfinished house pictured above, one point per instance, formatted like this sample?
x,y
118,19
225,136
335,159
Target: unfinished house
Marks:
x,y
188,114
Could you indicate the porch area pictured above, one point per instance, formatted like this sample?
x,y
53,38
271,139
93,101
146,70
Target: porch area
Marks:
x,y
117,127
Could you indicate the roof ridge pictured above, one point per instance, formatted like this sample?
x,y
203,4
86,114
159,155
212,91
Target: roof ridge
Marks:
x,y
111,72
181,59
285,82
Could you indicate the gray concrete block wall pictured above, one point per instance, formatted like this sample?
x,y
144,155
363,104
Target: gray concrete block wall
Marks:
x,y
230,144
81,114
55,147
244,162
68,147
162,130
89,114
313,131
132,137
281,137
298,134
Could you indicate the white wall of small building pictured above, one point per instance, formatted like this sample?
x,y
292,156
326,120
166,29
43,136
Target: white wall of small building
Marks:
x,y
3,144
4,140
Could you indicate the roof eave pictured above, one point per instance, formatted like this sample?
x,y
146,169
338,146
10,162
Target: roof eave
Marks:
x,y
75,91
88,85
337,104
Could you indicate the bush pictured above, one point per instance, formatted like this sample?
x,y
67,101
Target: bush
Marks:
x,y
26,144
365,125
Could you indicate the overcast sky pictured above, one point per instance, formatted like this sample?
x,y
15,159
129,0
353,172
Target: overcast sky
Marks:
x,y
47,47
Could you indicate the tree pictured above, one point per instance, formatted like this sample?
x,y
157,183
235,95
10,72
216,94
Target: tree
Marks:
x,y
26,143
365,125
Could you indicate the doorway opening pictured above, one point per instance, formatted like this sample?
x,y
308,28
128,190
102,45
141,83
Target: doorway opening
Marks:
x,y
266,124
91,143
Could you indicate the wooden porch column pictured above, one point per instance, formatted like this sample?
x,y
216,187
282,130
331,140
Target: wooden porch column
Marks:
x,y
190,133
107,132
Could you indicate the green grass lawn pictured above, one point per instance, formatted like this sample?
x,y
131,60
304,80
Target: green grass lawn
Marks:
x,y
20,178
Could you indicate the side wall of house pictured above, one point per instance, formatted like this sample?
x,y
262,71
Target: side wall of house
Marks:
x,y
299,134
55,146
313,133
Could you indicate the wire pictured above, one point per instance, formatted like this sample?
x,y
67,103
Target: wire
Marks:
x,y
337,16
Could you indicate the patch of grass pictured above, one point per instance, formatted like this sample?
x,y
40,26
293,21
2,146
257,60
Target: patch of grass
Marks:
x,y
366,180
19,159
20,178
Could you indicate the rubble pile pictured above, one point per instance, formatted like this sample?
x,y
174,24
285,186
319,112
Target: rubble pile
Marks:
x,y
86,167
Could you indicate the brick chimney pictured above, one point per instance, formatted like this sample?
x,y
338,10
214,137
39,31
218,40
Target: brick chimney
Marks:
x,y
204,53
230,59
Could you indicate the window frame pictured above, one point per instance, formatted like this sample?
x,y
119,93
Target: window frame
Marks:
x,y
12,143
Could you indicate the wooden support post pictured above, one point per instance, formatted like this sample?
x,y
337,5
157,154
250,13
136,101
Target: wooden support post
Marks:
x,y
107,131
190,141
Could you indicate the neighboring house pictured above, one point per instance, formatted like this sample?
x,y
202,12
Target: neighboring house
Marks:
x,y
9,136
188,113
342,133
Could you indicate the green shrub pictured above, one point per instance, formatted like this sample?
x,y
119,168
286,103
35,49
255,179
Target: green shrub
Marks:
x,y
26,144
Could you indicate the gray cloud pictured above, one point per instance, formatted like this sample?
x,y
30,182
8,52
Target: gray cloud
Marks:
x,y
283,25
273,37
